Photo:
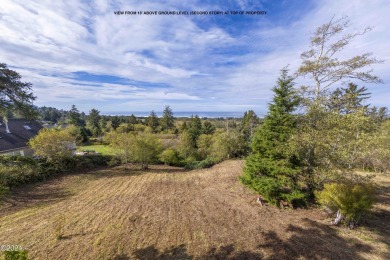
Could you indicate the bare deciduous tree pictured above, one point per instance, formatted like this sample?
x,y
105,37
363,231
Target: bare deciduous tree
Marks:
x,y
321,62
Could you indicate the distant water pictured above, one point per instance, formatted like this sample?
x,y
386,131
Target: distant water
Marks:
x,y
181,114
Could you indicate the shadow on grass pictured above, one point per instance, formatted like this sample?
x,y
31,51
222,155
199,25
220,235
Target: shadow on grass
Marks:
x,y
379,220
121,257
379,223
32,194
180,252
315,241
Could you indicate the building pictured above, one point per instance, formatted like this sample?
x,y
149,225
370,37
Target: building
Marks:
x,y
15,134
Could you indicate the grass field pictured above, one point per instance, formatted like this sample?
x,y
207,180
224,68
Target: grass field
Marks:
x,y
169,213
100,148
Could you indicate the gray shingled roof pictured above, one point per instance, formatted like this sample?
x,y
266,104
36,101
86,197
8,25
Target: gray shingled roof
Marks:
x,y
21,132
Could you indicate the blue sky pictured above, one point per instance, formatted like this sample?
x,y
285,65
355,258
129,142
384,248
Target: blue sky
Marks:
x,y
80,52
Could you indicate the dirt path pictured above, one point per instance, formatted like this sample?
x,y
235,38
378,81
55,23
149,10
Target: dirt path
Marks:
x,y
168,213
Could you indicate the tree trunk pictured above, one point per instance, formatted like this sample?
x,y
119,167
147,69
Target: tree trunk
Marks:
x,y
339,218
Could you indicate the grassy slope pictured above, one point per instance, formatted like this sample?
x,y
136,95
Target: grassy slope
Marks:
x,y
167,213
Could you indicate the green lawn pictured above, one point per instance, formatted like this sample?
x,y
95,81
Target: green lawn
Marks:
x,y
100,148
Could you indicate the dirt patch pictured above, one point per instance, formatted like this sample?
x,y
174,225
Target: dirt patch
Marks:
x,y
169,213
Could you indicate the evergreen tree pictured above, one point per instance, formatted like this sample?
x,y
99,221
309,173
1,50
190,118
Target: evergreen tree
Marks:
x,y
183,127
74,117
269,169
249,124
78,131
14,94
379,115
335,101
93,122
103,124
186,146
167,121
153,121
115,122
50,114
208,128
132,119
194,129
353,97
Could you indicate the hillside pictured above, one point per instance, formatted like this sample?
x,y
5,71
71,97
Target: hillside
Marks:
x,y
169,213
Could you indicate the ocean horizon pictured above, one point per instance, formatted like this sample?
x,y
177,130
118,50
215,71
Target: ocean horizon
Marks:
x,y
207,114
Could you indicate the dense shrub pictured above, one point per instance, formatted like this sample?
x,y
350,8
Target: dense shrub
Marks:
x,y
141,148
186,146
92,160
206,163
53,144
204,143
351,200
3,191
16,255
227,145
170,157
17,170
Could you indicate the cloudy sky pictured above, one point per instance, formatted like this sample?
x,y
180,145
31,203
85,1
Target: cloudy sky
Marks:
x,y
81,52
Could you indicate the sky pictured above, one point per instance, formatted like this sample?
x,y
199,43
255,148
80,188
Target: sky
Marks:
x,y
81,52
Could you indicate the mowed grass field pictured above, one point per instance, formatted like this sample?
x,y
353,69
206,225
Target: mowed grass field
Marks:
x,y
99,148
168,213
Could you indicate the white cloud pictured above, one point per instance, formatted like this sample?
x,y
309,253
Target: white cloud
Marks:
x,y
49,40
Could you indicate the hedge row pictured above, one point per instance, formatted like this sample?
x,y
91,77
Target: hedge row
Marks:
x,y
17,170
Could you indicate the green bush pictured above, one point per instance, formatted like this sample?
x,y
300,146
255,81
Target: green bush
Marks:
x,y
16,255
3,191
115,161
170,157
92,160
352,200
15,170
206,163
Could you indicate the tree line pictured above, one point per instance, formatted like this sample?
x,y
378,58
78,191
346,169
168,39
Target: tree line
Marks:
x,y
192,142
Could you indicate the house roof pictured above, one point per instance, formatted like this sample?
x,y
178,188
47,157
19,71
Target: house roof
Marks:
x,y
21,132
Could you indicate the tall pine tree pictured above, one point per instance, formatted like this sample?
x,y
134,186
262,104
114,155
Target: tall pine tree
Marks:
x,y
93,121
74,117
152,121
269,169
194,129
167,121
249,124
354,97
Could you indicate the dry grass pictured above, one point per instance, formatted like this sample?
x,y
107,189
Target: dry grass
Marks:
x,y
168,213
